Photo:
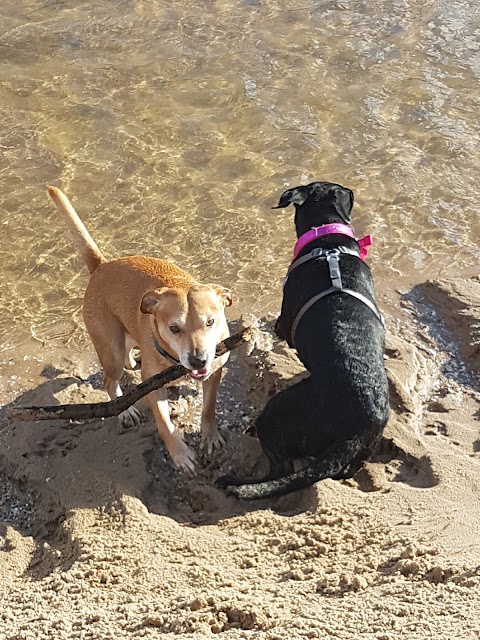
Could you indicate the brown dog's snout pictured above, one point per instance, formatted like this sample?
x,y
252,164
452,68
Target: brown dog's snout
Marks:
x,y
198,360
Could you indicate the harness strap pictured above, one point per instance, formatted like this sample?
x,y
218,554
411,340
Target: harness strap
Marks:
x,y
320,254
163,353
332,258
327,292
334,268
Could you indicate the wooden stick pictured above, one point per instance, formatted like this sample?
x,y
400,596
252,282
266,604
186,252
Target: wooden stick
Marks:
x,y
114,407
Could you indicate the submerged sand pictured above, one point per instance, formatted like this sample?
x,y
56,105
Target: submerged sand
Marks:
x,y
100,537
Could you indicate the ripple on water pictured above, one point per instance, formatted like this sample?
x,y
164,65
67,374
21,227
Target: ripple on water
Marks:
x,y
174,128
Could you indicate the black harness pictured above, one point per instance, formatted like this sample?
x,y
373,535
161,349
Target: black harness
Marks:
x,y
332,258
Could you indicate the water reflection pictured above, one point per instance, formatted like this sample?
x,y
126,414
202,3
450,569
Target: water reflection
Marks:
x,y
174,126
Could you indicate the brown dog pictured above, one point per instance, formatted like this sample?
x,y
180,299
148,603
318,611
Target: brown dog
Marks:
x,y
152,304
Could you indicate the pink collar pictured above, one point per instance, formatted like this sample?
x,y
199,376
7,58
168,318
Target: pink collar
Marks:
x,y
327,229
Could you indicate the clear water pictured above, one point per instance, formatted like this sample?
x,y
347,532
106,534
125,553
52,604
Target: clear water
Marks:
x,y
175,126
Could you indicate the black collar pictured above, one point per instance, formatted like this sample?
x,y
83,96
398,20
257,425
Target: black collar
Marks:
x,y
163,353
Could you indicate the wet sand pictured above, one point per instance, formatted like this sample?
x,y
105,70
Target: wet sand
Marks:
x,y
102,538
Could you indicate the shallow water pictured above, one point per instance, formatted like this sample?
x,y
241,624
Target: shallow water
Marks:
x,y
175,126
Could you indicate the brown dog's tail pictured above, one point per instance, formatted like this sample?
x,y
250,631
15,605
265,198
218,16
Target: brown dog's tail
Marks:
x,y
89,250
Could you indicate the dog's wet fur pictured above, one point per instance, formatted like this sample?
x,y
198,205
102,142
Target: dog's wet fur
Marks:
x,y
337,415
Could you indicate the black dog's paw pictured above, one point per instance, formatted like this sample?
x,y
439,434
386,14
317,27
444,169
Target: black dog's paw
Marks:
x,y
224,482
278,330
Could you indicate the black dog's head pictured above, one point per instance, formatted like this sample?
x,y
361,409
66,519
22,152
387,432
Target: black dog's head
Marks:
x,y
318,203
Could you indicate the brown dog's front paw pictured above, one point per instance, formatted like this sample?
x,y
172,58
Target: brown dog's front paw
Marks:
x,y
182,455
211,438
131,418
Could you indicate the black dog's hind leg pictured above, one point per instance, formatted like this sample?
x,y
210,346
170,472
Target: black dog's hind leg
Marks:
x,y
279,467
351,470
367,449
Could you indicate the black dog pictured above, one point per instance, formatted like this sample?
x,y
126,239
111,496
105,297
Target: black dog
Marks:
x,y
330,316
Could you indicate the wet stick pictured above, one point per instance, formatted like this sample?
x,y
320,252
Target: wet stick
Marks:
x,y
114,407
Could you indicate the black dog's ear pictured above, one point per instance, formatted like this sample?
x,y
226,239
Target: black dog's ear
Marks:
x,y
293,196
344,203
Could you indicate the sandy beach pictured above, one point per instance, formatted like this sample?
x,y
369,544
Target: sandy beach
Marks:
x,y
174,128
101,537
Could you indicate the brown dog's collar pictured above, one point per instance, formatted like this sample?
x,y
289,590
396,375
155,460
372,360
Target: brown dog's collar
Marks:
x,y
164,353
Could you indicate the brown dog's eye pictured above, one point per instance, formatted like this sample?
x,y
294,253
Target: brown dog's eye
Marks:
x,y
210,322
174,328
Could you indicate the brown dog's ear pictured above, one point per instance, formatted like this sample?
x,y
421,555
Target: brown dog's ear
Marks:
x,y
152,299
224,293
298,195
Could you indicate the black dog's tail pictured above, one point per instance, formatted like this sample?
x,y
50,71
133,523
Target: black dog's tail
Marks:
x,y
333,464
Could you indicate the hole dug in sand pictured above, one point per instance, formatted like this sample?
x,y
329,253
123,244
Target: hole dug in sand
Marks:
x,y
401,466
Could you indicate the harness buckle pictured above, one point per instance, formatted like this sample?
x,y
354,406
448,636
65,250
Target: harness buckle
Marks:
x,y
332,258
334,268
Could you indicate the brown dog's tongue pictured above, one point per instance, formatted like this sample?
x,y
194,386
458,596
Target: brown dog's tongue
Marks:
x,y
198,373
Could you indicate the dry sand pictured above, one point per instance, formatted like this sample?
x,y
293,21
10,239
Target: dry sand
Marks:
x,y
100,537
